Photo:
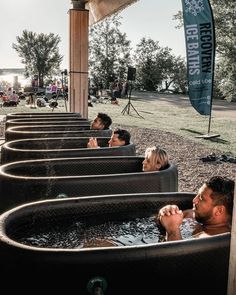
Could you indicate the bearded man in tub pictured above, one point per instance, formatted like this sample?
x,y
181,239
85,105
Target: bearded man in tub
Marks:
x,y
212,209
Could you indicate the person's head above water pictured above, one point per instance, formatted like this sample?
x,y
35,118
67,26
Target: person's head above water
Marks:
x,y
119,137
101,121
214,200
155,159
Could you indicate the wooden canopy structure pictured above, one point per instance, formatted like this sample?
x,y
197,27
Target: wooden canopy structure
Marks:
x,y
83,14
99,9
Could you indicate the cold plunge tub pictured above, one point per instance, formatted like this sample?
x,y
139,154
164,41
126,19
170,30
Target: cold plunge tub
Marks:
x,y
11,116
47,121
10,132
69,147
28,181
140,269
24,132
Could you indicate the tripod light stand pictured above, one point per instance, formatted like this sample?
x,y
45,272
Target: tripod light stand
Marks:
x,y
63,73
129,104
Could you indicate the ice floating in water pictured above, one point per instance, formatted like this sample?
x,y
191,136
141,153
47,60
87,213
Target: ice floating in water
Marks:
x,y
99,233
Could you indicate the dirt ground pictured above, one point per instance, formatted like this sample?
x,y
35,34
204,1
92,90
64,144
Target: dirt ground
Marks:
x,y
185,154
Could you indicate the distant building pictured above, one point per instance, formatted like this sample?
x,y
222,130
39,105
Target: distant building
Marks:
x,y
12,71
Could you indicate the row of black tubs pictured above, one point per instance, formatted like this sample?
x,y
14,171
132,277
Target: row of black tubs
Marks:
x,y
48,175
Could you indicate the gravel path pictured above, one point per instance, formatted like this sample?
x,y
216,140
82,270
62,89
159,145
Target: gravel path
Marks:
x,y
185,154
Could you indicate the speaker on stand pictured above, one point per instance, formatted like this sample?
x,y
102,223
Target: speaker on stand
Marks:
x,y
131,76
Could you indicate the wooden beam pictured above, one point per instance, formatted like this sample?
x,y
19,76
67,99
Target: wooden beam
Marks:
x,y
78,67
232,259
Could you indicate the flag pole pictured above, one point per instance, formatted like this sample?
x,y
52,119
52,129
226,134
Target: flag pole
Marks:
x,y
213,70
208,136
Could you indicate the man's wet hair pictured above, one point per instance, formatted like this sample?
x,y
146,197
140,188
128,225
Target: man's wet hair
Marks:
x,y
222,191
106,120
123,135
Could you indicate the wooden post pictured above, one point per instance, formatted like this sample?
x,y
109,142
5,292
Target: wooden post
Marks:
x,y
232,258
78,67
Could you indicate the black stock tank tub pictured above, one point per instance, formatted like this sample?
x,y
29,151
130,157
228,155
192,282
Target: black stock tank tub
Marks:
x,y
142,268
76,177
68,147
